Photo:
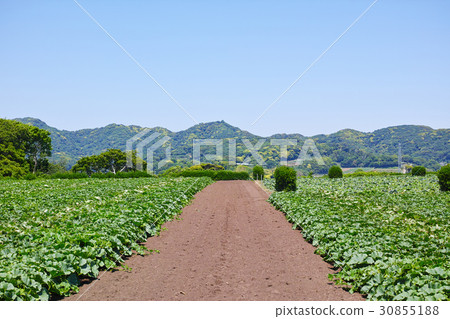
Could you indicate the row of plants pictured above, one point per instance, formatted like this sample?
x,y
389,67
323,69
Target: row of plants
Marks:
x,y
443,174
71,175
336,172
215,172
218,175
53,233
388,236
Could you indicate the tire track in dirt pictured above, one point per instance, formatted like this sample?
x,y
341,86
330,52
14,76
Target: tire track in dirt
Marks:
x,y
230,244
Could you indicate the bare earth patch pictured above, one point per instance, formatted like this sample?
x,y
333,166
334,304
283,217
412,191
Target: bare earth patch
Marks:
x,y
230,244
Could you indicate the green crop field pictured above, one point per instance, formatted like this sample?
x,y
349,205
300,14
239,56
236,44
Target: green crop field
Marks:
x,y
388,236
54,232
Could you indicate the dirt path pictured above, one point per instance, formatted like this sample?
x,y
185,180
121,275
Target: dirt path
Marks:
x,y
230,244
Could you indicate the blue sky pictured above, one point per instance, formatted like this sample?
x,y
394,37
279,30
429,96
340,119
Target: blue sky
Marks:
x,y
227,60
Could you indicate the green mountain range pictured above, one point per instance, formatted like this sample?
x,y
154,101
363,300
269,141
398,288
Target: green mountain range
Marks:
x,y
420,145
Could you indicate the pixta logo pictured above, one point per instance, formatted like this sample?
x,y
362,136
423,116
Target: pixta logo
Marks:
x,y
308,152
150,142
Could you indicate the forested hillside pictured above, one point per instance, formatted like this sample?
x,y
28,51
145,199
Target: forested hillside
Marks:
x,y
421,145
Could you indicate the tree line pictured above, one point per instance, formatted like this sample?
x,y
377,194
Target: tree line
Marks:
x,y
24,149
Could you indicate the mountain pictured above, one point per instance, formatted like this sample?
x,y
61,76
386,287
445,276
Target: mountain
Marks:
x,y
421,145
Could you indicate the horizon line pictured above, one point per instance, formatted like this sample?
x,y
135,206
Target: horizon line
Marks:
x,y
219,121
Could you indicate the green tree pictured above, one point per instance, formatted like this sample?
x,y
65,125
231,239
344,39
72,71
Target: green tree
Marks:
x,y
285,179
11,168
90,164
21,147
57,167
113,160
258,172
38,147
12,148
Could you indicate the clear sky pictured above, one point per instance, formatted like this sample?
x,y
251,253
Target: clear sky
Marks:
x,y
227,60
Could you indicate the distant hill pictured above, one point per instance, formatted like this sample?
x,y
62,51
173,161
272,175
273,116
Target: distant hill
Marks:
x,y
421,145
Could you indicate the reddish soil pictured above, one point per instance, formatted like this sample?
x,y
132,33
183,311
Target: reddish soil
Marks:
x,y
230,244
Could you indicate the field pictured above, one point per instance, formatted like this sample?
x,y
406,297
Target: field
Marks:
x,y
228,244
55,232
389,236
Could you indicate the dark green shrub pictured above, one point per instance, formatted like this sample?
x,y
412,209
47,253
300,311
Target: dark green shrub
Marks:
x,y
230,175
133,174
207,166
258,172
418,171
198,173
335,172
103,175
69,175
30,177
444,178
173,171
285,179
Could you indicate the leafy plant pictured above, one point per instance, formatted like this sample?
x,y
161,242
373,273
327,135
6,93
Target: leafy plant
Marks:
x,y
285,179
